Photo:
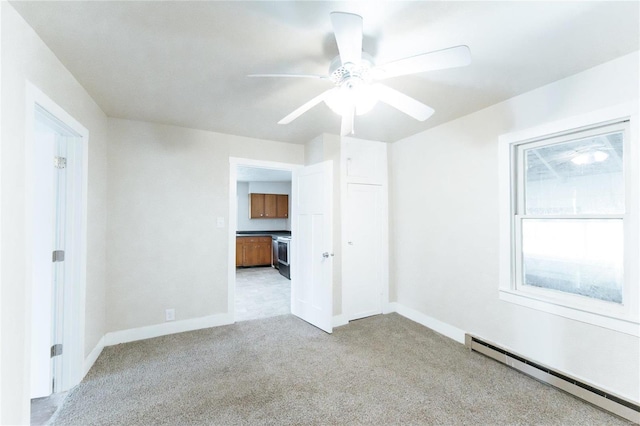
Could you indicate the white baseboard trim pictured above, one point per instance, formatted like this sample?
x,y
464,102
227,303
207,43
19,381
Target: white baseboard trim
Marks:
x,y
92,357
148,332
340,320
429,322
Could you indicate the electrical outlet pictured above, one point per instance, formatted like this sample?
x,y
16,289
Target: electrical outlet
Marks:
x,y
170,315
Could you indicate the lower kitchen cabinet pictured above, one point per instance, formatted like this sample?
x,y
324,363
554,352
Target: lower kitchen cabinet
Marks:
x,y
253,251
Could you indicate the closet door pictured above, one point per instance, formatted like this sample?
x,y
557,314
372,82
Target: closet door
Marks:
x,y
363,271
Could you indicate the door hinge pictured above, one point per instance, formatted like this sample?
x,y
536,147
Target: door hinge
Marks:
x,y
57,256
59,162
56,350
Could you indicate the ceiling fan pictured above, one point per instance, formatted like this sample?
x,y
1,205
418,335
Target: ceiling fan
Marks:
x,y
355,76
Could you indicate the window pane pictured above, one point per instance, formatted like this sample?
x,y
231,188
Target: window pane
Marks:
x,y
577,177
579,256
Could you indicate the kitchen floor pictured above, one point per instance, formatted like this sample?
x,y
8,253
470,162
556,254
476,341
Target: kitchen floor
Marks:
x,y
42,409
261,292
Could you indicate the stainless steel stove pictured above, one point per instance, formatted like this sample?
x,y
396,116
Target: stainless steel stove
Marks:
x,y
284,255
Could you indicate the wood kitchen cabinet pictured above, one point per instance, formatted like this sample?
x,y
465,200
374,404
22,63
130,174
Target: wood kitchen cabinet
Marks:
x,y
282,206
253,251
268,206
239,251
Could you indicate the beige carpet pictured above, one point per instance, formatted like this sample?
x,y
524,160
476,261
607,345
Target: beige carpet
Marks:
x,y
383,370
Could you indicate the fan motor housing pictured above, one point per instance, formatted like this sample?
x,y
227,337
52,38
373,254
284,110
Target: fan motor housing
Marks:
x,y
340,73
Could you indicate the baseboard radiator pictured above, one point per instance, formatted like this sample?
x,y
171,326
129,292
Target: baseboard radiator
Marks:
x,y
613,403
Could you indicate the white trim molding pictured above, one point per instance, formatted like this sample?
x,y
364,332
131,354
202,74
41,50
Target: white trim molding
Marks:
x,y
623,326
74,306
340,320
438,326
93,356
166,328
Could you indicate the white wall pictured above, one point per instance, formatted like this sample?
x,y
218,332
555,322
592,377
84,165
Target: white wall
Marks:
x,y
444,230
244,222
167,186
26,57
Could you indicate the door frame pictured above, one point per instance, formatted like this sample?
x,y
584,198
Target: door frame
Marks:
x,y
234,162
74,307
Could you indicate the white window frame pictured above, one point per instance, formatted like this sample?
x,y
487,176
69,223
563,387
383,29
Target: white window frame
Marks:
x,y
624,317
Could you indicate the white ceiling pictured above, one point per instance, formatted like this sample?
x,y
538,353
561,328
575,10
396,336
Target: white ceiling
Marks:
x,y
185,63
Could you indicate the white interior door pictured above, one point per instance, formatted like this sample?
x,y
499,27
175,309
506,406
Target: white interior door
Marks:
x,y
56,209
312,245
362,278
60,264
42,294
57,246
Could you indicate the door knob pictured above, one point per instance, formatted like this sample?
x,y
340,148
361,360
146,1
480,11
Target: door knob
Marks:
x,y
350,243
326,254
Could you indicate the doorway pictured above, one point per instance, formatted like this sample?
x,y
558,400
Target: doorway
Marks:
x,y
311,245
56,164
260,286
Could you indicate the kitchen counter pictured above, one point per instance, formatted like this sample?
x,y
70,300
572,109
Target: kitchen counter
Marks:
x,y
272,234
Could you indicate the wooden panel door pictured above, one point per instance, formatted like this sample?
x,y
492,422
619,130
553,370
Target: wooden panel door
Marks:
x,y
282,206
270,205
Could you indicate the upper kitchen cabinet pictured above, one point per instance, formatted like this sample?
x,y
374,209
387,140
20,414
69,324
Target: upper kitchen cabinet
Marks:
x,y
282,205
268,206
364,161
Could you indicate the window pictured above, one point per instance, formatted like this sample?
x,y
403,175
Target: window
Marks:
x,y
569,241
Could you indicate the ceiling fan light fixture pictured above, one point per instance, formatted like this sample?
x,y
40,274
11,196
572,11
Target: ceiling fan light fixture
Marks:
x,y
355,76
353,86
350,94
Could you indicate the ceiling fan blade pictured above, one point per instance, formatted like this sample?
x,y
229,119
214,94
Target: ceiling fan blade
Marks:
x,y
306,107
402,102
323,77
452,57
348,30
348,116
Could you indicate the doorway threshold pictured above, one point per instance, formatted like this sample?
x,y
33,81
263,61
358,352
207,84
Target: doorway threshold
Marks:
x,y
43,409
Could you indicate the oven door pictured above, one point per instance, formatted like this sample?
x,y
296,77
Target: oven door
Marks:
x,y
283,252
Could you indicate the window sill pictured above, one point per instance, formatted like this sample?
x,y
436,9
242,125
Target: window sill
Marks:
x,y
623,326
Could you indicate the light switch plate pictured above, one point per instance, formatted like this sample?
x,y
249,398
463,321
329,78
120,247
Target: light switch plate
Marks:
x,y
220,222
